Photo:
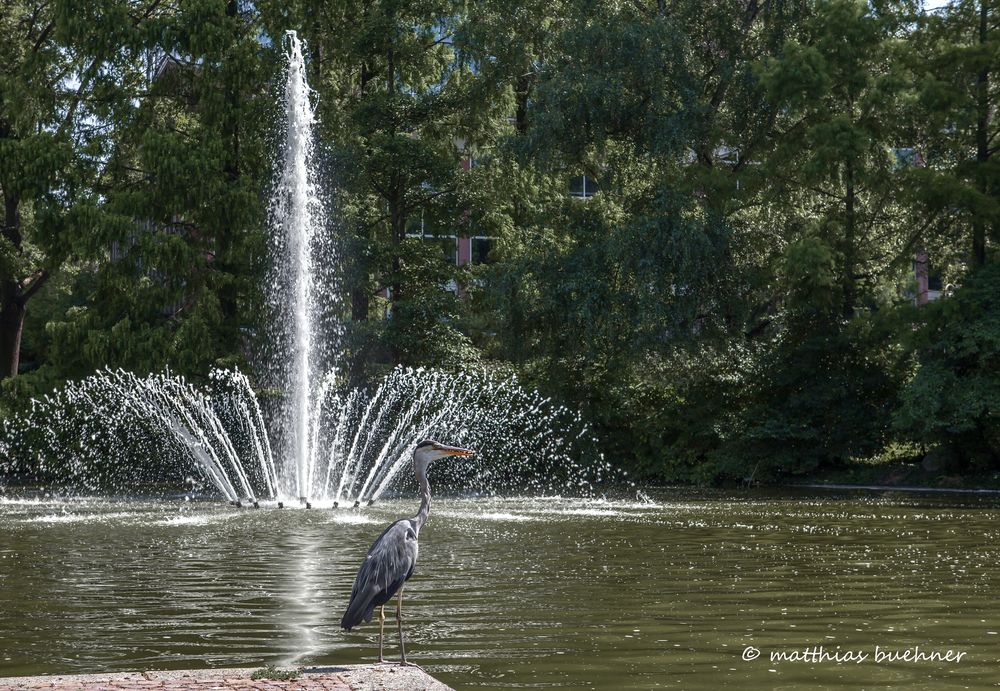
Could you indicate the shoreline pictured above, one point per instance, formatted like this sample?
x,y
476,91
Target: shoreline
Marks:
x,y
895,488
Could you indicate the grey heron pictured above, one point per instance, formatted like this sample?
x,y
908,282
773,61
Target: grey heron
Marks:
x,y
391,558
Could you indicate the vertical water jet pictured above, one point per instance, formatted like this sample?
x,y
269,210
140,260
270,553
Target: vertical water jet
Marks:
x,y
298,219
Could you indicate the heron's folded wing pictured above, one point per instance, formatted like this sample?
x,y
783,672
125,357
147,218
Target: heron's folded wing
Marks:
x,y
386,567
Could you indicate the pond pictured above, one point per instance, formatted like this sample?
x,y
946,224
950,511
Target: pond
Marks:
x,y
521,593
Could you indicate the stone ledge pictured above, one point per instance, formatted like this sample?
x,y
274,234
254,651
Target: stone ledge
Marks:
x,y
387,677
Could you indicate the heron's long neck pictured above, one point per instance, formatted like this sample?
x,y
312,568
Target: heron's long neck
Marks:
x,y
425,496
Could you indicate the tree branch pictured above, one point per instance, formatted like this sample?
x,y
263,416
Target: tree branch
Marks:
x,y
32,283
439,41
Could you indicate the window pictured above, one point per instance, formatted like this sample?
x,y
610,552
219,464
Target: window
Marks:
x,y
449,247
481,248
583,187
448,244
415,228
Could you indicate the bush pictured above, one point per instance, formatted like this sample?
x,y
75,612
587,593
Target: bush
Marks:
x,y
821,398
824,389
954,396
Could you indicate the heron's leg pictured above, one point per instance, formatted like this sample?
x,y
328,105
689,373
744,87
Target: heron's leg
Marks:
x,y
381,629
399,625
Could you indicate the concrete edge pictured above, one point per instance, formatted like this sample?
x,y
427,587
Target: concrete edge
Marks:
x,y
386,677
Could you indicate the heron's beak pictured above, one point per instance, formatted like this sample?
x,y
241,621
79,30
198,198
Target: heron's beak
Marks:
x,y
457,451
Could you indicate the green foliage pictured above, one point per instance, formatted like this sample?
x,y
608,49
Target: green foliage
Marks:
x,y
731,303
272,673
809,272
156,183
423,326
821,392
822,395
954,395
954,122
840,85
397,90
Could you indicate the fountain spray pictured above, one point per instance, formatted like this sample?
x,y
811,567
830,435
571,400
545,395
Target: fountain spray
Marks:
x,y
298,219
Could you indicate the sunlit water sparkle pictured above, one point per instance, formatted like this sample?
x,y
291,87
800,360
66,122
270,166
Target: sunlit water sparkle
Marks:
x,y
516,592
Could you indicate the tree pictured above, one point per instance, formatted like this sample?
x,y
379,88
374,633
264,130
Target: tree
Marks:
x,y
606,300
43,82
839,86
398,107
181,209
824,386
953,398
957,125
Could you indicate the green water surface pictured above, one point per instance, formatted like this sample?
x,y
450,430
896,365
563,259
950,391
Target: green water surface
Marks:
x,y
521,593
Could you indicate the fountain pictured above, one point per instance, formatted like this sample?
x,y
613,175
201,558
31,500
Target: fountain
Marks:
x,y
334,445
119,431
297,214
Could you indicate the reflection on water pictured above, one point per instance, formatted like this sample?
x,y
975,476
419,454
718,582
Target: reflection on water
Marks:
x,y
518,592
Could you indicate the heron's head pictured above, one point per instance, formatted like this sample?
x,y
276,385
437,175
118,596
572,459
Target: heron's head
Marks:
x,y
430,450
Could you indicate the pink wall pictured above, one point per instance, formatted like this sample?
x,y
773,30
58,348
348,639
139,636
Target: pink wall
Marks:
x,y
464,250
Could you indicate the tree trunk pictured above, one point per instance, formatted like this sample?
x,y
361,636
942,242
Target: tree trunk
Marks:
x,y
11,303
224,261
849,241
358,278
397,216
515,325
360,303
920,270
11,325
397,221
522,94
982,141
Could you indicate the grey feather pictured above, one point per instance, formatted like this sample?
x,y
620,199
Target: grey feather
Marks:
x,y
392,557
388,564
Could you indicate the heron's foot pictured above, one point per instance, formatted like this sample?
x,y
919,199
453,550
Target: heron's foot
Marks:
x,y
404,663
382,661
